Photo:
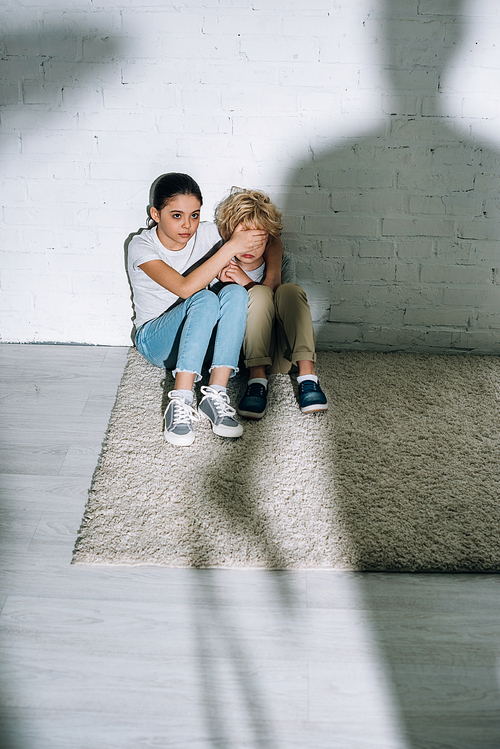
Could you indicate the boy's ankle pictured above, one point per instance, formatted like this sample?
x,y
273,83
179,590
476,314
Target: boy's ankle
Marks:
x,y
302,378
258,372
260,380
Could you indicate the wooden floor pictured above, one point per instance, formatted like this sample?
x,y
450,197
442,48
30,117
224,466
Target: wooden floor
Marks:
x,y
132,658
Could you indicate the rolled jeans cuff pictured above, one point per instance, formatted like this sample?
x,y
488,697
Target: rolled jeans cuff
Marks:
x,y
234,370
188,371
303,356
260,361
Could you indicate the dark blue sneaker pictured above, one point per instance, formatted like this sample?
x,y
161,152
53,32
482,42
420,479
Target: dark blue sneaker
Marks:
x,y
311,397
253,403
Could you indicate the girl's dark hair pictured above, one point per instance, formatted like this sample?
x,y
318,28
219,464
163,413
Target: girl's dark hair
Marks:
x,y
168,186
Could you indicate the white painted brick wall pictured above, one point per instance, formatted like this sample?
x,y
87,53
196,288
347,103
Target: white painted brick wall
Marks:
x,y
374,124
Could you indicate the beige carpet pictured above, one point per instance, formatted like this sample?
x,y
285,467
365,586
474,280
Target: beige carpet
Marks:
x,y
402,473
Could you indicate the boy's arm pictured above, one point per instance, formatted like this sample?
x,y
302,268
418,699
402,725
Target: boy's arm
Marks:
x,y
273,256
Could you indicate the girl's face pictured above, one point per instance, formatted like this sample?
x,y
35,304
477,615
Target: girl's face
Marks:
x,y
177,221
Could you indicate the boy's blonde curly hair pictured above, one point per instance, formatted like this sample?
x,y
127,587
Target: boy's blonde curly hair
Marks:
x,y
252,208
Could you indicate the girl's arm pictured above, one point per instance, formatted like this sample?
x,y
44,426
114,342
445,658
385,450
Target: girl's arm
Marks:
x,y
273,256
185,286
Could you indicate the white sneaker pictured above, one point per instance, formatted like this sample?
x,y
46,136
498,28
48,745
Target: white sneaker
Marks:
x,y
179,417
215,406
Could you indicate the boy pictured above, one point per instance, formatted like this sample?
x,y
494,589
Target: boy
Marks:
x,y
279,331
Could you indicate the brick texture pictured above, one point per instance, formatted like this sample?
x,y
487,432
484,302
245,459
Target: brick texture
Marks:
x,y
374,126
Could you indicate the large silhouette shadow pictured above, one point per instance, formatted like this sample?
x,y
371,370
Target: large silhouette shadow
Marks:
x,y
416,201
388,164
406,216
437,634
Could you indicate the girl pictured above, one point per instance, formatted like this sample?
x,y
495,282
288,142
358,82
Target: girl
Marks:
x,y
170,265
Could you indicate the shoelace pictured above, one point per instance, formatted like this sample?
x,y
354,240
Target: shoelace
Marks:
x,y
255,389
220,401
309,386
183,413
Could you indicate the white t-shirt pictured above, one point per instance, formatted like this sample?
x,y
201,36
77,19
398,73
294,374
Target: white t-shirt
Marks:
x,y
150,299
257,276
287,270
258,273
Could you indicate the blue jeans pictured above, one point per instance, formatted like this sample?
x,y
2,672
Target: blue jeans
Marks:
x,y
179,339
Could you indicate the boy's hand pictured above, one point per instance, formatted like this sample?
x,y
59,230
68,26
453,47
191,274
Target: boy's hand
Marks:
x,y
232,273
221,275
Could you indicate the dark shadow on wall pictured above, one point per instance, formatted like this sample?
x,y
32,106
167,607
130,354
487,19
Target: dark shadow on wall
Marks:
x,y
125,260
412,188
399,231
39,67
399,242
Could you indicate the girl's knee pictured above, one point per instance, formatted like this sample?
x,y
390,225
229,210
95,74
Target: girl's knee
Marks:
x,y
234,294
205,301
205,296
233,301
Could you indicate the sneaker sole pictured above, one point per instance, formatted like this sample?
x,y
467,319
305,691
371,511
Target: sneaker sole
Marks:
x,y
180,440
250,414
314,408
221,430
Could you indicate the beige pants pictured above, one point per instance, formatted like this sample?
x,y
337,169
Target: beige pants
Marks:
x,y
279,330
